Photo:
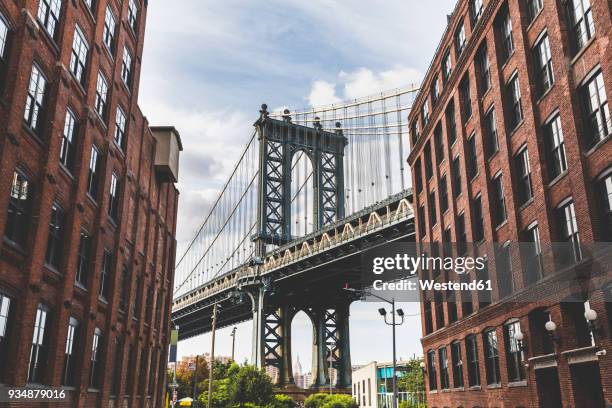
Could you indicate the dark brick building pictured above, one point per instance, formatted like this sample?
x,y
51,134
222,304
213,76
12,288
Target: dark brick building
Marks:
x,y
87,205
510,139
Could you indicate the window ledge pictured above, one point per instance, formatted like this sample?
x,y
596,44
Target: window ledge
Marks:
x,y
557,179
14,246
458,389
522,383
597,145
486,92
581,52
545,94
433,391
534,19
80,286
445,390
474,176
497,228
33,134
91,199
492,156
475,388
516,128
526,204
66,171
52,269
507,61
493,386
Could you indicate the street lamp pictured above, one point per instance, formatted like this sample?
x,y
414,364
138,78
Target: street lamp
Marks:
x,y
233,334
383,312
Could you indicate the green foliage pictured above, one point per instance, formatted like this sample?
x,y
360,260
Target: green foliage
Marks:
x,y
249,384
330,401
281,401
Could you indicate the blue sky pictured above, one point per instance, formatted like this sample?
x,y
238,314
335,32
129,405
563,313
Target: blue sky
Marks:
x,y
208,66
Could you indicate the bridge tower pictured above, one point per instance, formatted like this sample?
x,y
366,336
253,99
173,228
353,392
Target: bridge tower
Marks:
x,y
279,142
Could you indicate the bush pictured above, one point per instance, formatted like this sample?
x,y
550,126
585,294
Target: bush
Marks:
x,y
330,401
281,401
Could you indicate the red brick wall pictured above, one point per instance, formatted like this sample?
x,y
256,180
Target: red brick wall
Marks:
x,y
584,166
145,202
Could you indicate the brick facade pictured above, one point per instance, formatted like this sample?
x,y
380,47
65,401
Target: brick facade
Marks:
x,y
583,376
131,314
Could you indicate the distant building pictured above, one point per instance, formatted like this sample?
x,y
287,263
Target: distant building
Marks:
x,y
373,385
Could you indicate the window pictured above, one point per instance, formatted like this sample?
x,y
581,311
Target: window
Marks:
x,y
117,364
513,92
476,8
471,347
56,237
506,36
514,355
422,227
108,35
96,359
120,128
5,309
113,202
555,147
491,141
483,64
18,209
544,71
503,266
137,299
425,113
499,202
68,147
414,131
438,144
49,14
532,255
78,57
456,175
90,4
431,370
107,264
582,24
568,232
435,91
101,95
418,180
461,235
598,126
472,157
465,99
523,176
132,14
428,318
604,190
444,383
447,66
459,39
126,67
35,100
444,194
38,350
428,164
457,364
4,49
149,304
533,8
83,258
68,374
478,219
451,124
491,357
93,175
432,209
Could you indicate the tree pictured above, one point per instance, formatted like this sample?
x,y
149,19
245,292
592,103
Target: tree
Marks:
x,y
412,381
249,384
330,401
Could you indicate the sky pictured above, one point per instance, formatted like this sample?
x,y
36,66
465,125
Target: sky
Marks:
x,y
209,65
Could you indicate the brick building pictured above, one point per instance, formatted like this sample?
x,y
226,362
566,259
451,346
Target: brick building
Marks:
x,y
510,139
88,205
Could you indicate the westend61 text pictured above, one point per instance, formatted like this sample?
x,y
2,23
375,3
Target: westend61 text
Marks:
x,y
406,284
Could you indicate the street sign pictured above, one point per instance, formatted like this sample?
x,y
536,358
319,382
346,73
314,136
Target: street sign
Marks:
x,y
192,366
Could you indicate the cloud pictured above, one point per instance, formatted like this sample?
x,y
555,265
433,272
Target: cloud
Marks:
x,y
361,82
322,93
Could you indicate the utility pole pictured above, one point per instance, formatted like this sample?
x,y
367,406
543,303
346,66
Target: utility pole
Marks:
x,y
212,355
233,334
195,381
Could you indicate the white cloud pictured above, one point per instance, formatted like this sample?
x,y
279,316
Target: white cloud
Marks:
x,y
322,93
361,82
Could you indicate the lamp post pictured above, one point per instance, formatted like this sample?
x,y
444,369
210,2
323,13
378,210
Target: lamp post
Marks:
x,y
233,334
393,324
212,355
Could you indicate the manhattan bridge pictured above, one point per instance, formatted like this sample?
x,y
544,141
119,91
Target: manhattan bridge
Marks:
x,y
312,190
